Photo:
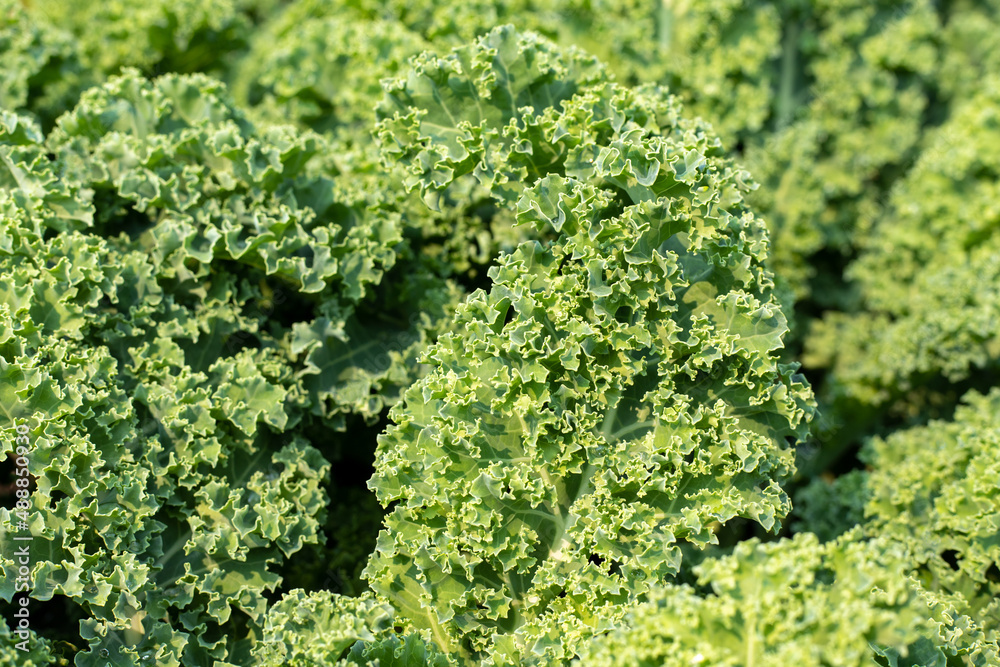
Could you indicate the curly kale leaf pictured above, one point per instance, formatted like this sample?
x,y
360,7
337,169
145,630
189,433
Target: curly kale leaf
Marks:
x,y
614,393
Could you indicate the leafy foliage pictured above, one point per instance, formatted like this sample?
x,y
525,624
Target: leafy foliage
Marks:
x,y
933,488
319,72
37,656
41,67
533,259
578,426
318,628
763,610
141,254
155,36
323,629
925,313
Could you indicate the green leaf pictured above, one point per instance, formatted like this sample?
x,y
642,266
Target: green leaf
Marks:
x,y
606,399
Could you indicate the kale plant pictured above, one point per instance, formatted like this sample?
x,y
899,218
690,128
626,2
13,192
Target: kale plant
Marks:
x,y
428,334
